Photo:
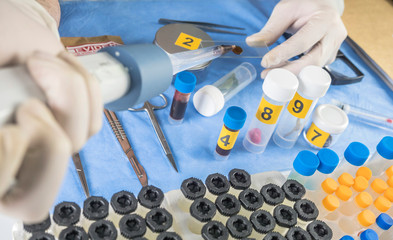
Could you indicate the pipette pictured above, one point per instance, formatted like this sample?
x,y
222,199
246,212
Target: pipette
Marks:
x,y
366,116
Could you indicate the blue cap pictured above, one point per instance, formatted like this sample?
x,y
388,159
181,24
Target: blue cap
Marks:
x,y
347,237
385,147
328,160
306,163
384,221
356,153
369,234
185,82
235,117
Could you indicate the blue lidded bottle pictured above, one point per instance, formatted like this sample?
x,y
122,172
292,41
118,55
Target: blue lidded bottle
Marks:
x,y
304,166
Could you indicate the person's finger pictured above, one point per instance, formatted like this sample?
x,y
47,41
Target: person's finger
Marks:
x,y
94,93
275,26
66,94
299,43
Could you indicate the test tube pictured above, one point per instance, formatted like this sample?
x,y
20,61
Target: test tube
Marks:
x,y
304,166
202,211
184,85
132,226
149,197
122,203
44,236
262,222
239,227
307,211
313,84
388,173
381,205
319,230
94,208
355,155
383,223
360,184
73,233
381,159
234,120
362,201
369,234
353,225
65,214
295,233
158,220
329,204
293,190
286,217
214,230
377,187
328,186
103,230
169,236
192,188
239,180
328,161
227,205
217,184
364,172
346,179
210,99
251,200
273,195
278,87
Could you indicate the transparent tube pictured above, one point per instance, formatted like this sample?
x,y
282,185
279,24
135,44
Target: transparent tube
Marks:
x,y
298,177
262,125
378,164
350,225
293,120
344,166
314,182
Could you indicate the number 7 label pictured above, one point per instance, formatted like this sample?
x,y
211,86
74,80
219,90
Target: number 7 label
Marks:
x,y
316,136
187,41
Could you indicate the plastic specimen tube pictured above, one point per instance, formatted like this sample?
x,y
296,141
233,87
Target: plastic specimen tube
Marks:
x,y
234,120
279,87
313,84
355,224
358,204
210,99
184,84
355,155
304,166
381,159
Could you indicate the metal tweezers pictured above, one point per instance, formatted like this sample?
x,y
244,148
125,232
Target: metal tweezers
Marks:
x,y
208,27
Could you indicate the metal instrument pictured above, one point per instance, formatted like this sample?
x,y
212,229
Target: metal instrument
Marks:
x,y
126,146
82,177
149,108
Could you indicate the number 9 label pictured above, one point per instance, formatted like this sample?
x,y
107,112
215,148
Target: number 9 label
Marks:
x,y
268,113
316,136
187,41
299,106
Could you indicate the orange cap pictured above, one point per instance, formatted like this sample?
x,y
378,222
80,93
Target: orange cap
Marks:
x,y
379,185
365,172
389,171
344,193
346,179
382,204
331,202
390,182
329,185
366,218
389,194
364,199
360,184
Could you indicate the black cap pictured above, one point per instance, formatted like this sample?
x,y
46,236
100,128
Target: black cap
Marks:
x,y
124,202
297,233
193,188
285,216
228,205
262,221
140,238
103,229
159,220
239,226
239,179
42,236
306,210
251,199
132,226
169,236
73,233
38,227
66,214
95,208
203,209
319,230
274,236
217,184
214,230
272,194
150,197
293,190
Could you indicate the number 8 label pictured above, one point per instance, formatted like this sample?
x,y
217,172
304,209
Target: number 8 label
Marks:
x,y
299,106
316,136
268,113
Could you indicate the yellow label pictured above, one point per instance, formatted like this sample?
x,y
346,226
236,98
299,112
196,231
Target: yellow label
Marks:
x,y
227,139
268,113
187,41
316,136
299,106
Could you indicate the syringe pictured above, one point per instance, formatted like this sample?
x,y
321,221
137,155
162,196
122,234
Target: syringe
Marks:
x,y
366,116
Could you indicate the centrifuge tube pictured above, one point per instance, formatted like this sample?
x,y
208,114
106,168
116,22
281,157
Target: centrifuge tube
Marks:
x,y
279,87
355,155
383,223
359,203
353,225
304,166
382,158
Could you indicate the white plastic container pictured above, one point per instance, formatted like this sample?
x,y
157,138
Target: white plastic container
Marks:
x,y
279,87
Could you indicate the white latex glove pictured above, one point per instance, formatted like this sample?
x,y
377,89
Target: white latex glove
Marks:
x,y
318,32
35,150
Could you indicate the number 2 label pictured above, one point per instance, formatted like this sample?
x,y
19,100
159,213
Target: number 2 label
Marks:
x,y
187,41
316,136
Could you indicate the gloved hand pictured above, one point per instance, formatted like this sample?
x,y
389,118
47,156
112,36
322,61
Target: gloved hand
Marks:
x,y
318,32
35,150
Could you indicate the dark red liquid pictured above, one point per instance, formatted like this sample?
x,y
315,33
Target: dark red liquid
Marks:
x,y
179,105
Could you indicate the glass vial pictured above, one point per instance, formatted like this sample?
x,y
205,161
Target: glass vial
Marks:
x,y
273,195
295,233
65,214
202,211
122,203
286,217
381,159
304,166
294,191
239,227
94,209
227,205
313,84
192,189
250,200
210,99
319,230
132,226
73,233
214,230
184,85
158,220
103,230
262,222
279,87
240,180
307,211
234,119
149,197
328,123
217,184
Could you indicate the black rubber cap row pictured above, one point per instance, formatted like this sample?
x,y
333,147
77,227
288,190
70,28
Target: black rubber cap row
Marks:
x,y
262,221
42,236
169,236
159,220
319,230
251,199
38,227
297,233
203,209
239,179
285,216
150,197
293,190
306,210
73,233
66,214
124,202
193,188
274,236
272,194
214,230
103,230
239,226
132,226
217,184
95,208
228,205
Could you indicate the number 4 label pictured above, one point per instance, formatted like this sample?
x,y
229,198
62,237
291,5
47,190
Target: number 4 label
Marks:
x,y
316,136
227,139
187,41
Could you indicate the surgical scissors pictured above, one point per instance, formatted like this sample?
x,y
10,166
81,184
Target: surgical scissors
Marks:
x,y
149,108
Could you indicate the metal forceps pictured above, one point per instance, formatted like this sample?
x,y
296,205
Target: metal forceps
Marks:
x,y
149,108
